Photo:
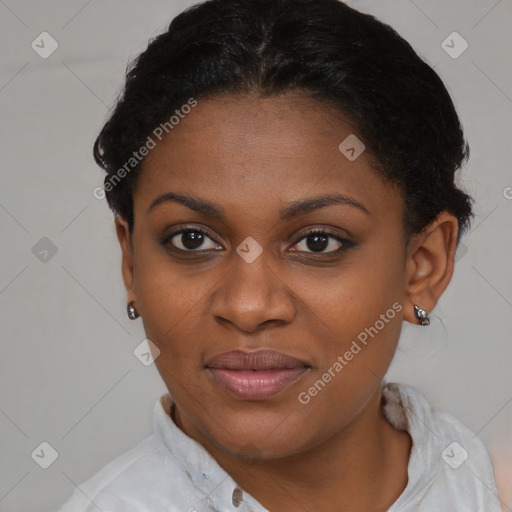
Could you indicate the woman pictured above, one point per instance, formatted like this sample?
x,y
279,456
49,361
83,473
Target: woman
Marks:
x,y
282,177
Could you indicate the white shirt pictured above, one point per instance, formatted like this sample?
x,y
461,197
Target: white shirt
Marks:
x,y
449,468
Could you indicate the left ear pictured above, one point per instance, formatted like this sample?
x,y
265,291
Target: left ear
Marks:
x,y
429,265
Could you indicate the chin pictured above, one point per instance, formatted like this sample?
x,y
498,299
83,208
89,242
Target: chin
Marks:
x,y
260,434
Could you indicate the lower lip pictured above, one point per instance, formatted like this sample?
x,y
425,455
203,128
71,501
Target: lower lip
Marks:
x,y
256,385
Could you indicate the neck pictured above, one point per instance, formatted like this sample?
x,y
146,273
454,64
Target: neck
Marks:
x,y
362,467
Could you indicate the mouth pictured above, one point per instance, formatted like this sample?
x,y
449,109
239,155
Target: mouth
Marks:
x,y
255,375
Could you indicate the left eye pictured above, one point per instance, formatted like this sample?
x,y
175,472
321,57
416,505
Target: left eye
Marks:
x,y
191,239
319,241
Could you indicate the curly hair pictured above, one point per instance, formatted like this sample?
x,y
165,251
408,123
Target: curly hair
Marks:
x,y
323,49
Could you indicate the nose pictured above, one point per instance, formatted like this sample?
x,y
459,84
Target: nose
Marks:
x,y
251,296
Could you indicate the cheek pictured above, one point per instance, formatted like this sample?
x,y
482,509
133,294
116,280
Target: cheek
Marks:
x,y
353,297
169,301
357,346
358,314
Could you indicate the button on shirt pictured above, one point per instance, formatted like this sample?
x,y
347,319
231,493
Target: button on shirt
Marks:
x,y
449,468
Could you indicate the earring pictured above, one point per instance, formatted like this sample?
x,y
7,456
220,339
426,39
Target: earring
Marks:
x,y
421,315
132,312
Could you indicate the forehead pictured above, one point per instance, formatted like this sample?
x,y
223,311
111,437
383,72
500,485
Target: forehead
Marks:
x,y
260,151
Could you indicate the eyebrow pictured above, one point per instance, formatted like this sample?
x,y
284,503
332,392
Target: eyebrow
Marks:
x,y
304,206
290,211
198,205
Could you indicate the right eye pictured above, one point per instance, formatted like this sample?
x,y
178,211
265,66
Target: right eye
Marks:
x,y
191,240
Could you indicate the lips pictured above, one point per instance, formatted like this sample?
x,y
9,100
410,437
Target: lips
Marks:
x,y
255,375
259,360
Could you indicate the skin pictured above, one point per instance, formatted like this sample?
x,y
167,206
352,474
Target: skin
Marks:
x,y
251,157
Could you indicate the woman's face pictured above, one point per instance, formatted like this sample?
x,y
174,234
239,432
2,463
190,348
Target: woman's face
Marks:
x,y
247,276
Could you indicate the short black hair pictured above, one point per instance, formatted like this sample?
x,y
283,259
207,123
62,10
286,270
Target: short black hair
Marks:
x,y
330,52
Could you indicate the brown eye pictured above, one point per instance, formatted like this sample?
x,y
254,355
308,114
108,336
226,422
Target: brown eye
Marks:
x,y
318,241
192,239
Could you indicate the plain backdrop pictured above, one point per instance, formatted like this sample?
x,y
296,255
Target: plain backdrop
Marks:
x,y
68,373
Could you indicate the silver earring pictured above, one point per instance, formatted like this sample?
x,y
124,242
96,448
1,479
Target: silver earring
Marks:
x,y
132,312
422,315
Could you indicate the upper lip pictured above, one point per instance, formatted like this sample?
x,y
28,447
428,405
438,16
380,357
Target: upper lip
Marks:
x,y
257,360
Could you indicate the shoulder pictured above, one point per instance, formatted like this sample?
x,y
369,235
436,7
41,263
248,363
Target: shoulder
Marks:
x,y
467,472
161,472
111,488
449,467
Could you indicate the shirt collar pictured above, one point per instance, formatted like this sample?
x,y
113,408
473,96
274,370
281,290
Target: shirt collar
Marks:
x,y
407,409
403,406
218,487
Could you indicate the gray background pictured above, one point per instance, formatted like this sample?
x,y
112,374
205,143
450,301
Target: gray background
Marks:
x,y
68,375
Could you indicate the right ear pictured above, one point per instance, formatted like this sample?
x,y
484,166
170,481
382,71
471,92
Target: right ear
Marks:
x,y
124,237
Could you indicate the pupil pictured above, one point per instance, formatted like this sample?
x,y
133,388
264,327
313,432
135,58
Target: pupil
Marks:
x,y
191,239
317,242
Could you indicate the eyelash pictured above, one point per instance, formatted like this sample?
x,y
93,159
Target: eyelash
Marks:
x,y
345,243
